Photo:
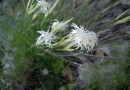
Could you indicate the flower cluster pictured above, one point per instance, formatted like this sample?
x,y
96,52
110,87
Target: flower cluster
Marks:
x,y
79,38
48,37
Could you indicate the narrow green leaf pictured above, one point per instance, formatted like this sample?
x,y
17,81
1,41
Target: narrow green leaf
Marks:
x,y
28,4
120,15
32,9
126,19
52,8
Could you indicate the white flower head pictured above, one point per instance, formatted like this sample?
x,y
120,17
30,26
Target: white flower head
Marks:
x,y
45,71
45,6
45,38
57,24
81,38
60,26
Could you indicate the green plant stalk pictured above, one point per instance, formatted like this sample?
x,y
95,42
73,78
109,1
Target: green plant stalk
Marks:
x,y
32,9
52,8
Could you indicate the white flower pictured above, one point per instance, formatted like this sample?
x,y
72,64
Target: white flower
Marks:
x,y
81,38
45,38
45,6
45,71
57,26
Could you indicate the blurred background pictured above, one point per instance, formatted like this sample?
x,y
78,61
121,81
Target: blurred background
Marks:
x,y
106,67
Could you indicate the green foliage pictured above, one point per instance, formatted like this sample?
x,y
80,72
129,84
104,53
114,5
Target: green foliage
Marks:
x,y
111,75
30,61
